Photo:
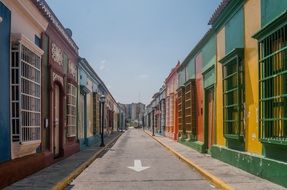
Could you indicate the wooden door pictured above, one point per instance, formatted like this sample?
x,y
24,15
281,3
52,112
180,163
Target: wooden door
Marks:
x,y
56,120
210,117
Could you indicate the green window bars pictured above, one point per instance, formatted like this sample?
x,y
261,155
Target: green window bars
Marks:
x,y
273,86
233,94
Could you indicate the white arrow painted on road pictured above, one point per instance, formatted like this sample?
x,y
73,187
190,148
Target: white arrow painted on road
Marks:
x,y
137,166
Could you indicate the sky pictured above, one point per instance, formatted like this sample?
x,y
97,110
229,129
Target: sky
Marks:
x,y
133,44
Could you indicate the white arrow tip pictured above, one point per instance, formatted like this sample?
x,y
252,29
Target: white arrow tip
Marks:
x,y
138,166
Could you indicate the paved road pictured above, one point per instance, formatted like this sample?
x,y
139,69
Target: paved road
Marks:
x,y
165,172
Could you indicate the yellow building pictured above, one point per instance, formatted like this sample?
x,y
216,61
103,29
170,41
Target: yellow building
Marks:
x,y
251,95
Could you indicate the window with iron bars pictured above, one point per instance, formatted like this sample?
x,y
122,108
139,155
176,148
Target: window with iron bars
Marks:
x,y
233,95
273,86
25,94
71,109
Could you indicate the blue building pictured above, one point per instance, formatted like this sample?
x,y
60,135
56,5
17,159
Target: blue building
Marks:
x,y
90,89
5,27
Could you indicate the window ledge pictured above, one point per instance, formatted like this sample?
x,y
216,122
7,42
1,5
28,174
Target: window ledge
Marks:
x,y
272,26
274,141
234,137
237,52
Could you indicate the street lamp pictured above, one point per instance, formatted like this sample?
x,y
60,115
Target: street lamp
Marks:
x,y
153,118
102,101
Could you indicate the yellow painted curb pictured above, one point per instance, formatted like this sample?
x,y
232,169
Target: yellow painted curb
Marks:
x,y
215,180
64,182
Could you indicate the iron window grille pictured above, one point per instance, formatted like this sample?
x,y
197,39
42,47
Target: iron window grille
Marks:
x,y
171,112
167,113
233,95
190,111
180,111
71,109
25,94
272,44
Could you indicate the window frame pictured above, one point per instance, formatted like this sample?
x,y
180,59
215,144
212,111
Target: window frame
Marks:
x,y
270,31
26,61
72,127
237,56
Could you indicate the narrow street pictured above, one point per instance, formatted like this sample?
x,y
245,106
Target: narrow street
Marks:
x,y
165,170
143,94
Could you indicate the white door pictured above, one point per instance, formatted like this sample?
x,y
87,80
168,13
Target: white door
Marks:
x,y
56,120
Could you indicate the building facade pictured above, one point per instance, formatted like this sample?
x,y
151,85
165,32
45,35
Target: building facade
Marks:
x,y
196,95
89,92
236,74
62,59
162,109
5,28
39,104
171,83
21,29
250,130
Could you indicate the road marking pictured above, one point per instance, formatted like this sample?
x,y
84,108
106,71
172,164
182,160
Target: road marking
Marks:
x,y
138,166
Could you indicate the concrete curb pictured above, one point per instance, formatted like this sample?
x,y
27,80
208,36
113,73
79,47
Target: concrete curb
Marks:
x,y
215,180
64,182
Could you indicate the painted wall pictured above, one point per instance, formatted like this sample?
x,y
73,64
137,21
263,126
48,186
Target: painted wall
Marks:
x,y
45,92
181,77
26,18
234,32
209,54
270,9
4,82
89,115
90,108
171,104
80,116
29,22
220,53
252,25
190,70
199,97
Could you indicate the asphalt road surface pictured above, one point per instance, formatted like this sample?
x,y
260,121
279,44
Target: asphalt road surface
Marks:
x,y
135,149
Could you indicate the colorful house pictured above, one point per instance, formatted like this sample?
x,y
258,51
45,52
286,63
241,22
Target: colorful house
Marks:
x,y
60,88
156,112
171,83
21,29
250,86
196,95
38,116
188,118
148,117
162,108
89,93
26,53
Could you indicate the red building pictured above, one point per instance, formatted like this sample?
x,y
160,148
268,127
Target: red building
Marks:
x,y
59,83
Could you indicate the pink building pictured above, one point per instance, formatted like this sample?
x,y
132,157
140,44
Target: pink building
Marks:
x,y
171,83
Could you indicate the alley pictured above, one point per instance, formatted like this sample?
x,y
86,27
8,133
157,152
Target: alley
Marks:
x,y
112,172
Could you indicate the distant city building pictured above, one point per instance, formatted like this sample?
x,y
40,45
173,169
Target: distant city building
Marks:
x,y
134,112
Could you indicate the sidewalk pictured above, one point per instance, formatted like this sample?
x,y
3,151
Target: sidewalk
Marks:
x,y
59,172
214,169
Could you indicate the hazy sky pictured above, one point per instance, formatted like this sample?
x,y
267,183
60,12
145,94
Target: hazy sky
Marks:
x,y
133,44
